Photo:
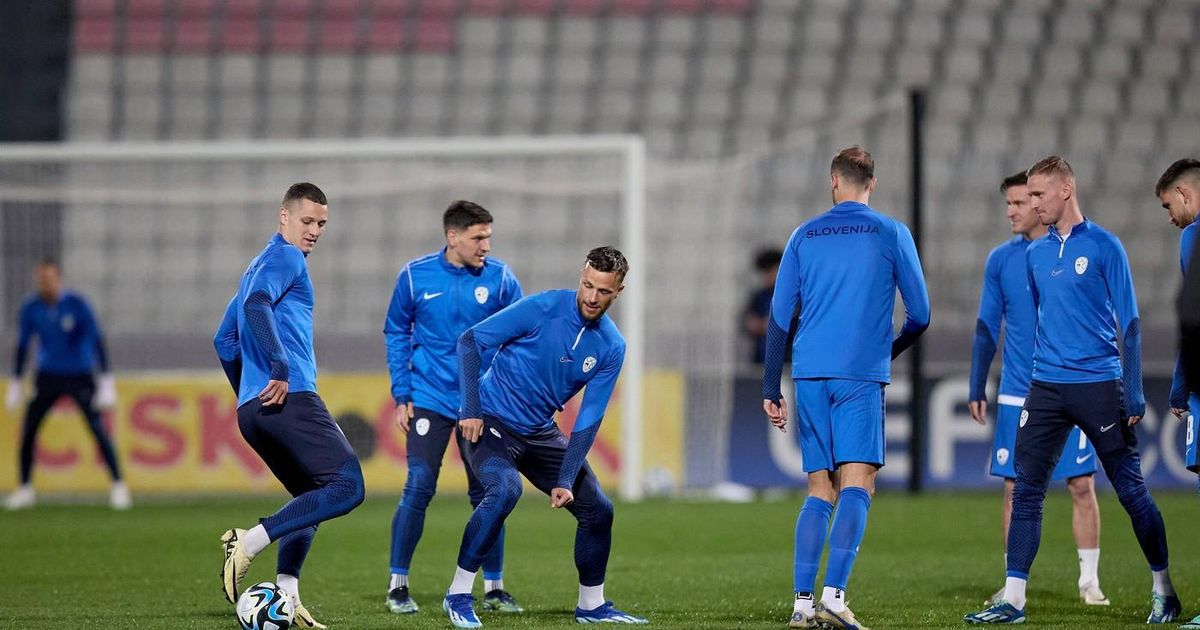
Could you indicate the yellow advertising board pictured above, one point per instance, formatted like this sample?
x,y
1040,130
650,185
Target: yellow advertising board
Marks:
x,y
179,433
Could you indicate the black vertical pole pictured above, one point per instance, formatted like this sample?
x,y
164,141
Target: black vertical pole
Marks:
x,y
917,405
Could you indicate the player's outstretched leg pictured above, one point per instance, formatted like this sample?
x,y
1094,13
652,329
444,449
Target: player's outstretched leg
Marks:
x,y
812,525
407,526
293,549
845,536
495,598
593,542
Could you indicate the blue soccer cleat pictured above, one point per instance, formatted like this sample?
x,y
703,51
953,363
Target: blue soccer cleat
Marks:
x,y
1191,625
606,613
1000,612
400,602
1164,609
461,609
499,600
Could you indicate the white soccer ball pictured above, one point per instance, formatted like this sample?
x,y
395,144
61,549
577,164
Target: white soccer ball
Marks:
x,y
265,606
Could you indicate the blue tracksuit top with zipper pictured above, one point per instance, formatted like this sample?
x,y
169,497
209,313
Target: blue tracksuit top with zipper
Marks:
x,y
268,325
1006,298
432,304
1187,242
1083,292
69,338
841,270
545,352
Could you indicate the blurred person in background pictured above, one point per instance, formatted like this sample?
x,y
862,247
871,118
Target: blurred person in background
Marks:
x,y
758,305
70,350
437,297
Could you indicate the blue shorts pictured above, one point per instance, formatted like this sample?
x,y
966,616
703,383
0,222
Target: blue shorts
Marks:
x,y
1193,429
298,440
1078,457
840,421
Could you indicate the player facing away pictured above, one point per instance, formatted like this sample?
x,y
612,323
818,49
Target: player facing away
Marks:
x,y
265,344
437,297
70,349
1179,191
841,362
545,349
1083,292
1006,301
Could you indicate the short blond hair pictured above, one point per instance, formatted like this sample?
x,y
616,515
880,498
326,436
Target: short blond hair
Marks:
x,y
1052,165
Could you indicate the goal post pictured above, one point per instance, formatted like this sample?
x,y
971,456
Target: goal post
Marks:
x,y
173,202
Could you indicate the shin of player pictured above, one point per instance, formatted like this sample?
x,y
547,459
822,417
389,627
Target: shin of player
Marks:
x,y
842,357
265,345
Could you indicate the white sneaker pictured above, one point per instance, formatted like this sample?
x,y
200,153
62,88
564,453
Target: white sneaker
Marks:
x,y
118,497
21,498
1092,595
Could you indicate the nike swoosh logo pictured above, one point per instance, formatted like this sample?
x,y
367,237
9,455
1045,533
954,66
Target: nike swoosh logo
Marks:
x,y
1080,460
430,296
565,360
1103,429
1056,273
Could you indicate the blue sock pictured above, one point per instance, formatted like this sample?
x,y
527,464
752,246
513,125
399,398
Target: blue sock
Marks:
x,y
409,521
493,562
812,524
293,548
849,525
342,493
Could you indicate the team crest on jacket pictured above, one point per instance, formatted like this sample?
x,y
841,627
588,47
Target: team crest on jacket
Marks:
x,y
1081,265
67,322
588,364
481,294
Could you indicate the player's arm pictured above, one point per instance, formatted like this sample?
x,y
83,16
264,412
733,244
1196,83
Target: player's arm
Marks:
x,y
587,424
483,338
785,304
1187,309
510,288
397,333
227,345
987,332
106,385
910,279
267,284
1124,300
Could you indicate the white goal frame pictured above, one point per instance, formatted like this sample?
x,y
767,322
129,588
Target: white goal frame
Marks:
x,y
631,149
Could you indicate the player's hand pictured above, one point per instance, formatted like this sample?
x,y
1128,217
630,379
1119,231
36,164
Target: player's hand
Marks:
x,y
471,429
777,413
273,393
106,391
12,399
978,411
404,414
561,497
1134,420
1179,413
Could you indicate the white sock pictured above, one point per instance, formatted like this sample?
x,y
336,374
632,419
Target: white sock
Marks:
x,y
591,597
803,604
1014,592
1162,583
1089,564
463,581
493,585
255,540
397,581
289,583
833,599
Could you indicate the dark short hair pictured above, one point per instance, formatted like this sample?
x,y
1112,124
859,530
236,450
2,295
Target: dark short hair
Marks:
x,y
50,261
1016,179
608,259
1186,166
1051,165
461,215
304,190
854,164
767,258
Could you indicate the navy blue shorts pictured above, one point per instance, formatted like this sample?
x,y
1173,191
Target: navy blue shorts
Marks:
x,y
298,440
538,457
1053,409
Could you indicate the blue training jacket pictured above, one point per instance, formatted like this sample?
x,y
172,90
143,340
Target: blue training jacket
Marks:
x,y
69,338
841,270
267,329
1006,298
432,304
1083,292
1187,242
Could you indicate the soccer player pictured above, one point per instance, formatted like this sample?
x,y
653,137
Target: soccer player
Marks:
x,y
1179,191
841,363
70,348
545,349
1006,299
1083,292
436,298
266,348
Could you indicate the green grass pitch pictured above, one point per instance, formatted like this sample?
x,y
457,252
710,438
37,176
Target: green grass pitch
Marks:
x,y
925,562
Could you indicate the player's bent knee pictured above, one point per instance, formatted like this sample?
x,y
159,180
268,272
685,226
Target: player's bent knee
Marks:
x,y
348,487
419,488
